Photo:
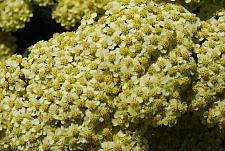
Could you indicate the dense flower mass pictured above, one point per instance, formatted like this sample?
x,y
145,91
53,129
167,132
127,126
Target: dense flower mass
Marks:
x,y
14,14
69,13
210,84
126,82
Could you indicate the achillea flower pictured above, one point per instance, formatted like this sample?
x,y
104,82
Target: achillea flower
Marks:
x,y
103,86
69,13
14,14
209,88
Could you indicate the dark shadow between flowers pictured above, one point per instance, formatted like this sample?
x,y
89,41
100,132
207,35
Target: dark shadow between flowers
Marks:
x,y
40,27
203,12
188,134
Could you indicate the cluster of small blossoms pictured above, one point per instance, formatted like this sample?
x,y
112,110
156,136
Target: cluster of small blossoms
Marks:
x,y
209,88
89,90
103,86
69,13
7,45
156,66
51,101
188,135
119,141
158,97
14,14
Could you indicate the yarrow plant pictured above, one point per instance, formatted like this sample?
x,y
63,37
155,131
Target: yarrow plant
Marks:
x,y
209,88
69,13
14,14
126,82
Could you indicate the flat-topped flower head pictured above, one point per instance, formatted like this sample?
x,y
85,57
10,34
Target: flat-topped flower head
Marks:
x,y
69,13
103,86
14,14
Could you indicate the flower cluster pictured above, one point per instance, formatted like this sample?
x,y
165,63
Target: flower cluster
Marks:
x,y
49,101
69,13
92,88
7,46
143,64
14,14
149,49
210,84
